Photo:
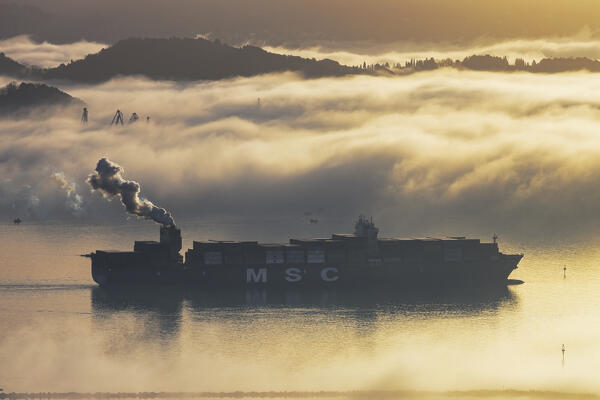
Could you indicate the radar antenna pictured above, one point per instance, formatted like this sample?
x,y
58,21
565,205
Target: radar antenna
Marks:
x,y
365,228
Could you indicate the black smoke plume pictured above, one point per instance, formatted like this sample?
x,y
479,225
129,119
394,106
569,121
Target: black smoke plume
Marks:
x,y
108,180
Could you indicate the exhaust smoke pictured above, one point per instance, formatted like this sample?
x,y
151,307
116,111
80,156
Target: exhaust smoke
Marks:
x,y
74,201
108,180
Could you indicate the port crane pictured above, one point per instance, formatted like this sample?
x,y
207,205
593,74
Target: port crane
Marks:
x,y
134,118
117,118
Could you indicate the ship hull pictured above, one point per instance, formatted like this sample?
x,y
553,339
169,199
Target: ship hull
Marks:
x,y
493,272
358,260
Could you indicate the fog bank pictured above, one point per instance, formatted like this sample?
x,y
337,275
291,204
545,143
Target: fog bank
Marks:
x,y
583,44
445,151
44,54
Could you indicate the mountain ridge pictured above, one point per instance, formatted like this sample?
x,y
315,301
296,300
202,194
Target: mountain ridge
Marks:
x,y
181,59
187,59
21,99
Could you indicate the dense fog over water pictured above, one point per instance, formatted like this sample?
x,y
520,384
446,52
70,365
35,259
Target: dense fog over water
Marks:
x,y
444,151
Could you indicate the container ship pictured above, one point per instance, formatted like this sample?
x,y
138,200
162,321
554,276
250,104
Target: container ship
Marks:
x,y
350,260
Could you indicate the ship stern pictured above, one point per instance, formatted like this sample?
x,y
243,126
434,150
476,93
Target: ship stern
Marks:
x,y
100,272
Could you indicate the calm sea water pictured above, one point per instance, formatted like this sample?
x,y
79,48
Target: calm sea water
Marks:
x,y
60,332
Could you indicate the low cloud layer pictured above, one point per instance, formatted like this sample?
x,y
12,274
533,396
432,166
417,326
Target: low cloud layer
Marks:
x,y
584,44
440,152
26,51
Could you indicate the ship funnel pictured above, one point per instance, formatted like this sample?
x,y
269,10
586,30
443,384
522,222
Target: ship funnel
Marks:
x,y
170,236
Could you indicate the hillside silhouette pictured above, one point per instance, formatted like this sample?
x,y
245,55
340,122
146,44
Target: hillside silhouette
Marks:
x,y
10,67
200,59
18,100
494,64
188,59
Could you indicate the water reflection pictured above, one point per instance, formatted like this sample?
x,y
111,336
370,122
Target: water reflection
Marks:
x,y
166,305
168,299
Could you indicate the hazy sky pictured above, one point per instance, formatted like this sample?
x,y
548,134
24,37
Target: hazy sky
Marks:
x,y
302,22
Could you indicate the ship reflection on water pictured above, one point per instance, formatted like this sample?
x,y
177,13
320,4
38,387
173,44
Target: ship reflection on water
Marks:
x,y
166,305
170,299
